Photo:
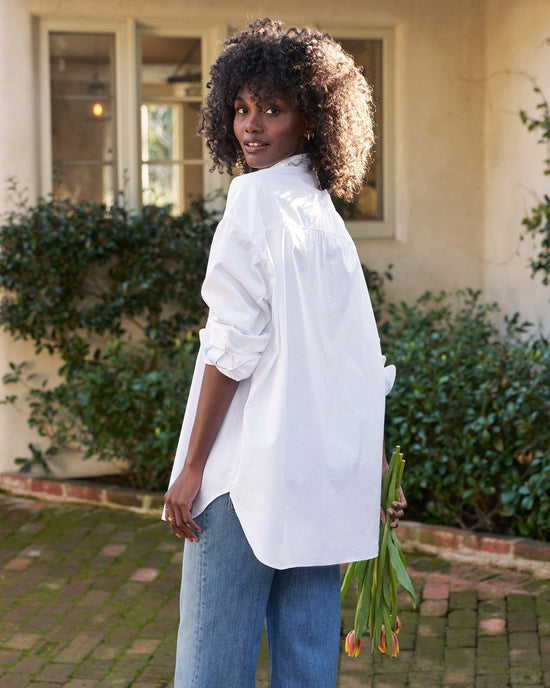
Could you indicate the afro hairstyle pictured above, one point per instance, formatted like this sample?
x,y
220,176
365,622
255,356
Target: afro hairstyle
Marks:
x,y
318,76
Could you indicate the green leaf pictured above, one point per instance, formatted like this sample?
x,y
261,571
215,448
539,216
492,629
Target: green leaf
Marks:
x,y
399,566
363,608
347,578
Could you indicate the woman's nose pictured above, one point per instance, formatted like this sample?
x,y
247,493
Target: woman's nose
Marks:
x,y
253,122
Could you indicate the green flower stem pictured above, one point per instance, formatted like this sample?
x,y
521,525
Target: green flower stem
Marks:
x,y
378,579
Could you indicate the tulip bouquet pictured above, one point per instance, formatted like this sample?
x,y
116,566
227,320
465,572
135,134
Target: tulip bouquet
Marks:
x,y
377,579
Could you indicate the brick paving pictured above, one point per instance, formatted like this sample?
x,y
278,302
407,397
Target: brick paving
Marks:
x,y
89,599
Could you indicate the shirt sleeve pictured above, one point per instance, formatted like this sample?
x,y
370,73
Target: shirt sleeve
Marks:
x,y
389,376
237,289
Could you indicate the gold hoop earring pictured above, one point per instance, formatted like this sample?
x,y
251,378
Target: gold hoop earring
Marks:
x,y
310,136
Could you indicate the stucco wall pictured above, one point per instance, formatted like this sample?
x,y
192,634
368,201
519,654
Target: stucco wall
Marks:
x,y
465,168
518,50
18,160
18,144
438,105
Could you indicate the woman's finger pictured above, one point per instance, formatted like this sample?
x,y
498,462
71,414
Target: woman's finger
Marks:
x,y
181,523
402,503
185,520
188,532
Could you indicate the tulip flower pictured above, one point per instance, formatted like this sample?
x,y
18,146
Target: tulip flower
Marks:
x,y
378,579
397,625
351,647
394,645
383,643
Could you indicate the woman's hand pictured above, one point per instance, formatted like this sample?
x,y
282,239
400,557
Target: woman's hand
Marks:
x,y
398,510
216,394
179,500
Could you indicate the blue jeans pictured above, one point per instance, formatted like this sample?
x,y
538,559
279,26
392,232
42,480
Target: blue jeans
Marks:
x,y
227,594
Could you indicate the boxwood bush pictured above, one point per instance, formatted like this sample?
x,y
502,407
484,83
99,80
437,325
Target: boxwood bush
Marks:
x,y
471,409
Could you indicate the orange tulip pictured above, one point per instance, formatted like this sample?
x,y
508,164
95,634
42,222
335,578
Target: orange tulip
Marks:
x,y
383,644
397,624
395,644
352,648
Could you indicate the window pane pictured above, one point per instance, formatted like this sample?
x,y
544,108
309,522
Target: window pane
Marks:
x,y
193,182
161,124
83,115
160,184
171,183
84,182
81,64
78,134
171,66
192,142
368,205
171,151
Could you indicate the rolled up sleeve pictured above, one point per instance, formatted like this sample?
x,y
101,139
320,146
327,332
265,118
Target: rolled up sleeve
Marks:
x,y
237,290
234,353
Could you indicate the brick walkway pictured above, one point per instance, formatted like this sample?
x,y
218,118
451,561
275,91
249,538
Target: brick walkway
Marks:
x,y
89,600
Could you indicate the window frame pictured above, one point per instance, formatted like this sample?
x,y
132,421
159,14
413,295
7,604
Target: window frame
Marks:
x,y
119,30
128,99
385,228
209,36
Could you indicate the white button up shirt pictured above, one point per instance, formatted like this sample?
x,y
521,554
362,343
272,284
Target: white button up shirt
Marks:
x,y
300,449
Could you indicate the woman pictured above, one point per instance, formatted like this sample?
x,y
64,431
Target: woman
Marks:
x,y
276,479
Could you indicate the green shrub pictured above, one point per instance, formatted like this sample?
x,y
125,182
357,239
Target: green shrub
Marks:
x,y
72,271
377,289
119,406
117,296
471,410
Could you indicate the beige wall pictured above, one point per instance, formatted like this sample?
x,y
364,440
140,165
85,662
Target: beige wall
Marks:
x,y
438,105
465,167
517,51
18,141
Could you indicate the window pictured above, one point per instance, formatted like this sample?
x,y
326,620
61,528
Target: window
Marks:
x,y
371,213
368,205
120,107
171,152
83,115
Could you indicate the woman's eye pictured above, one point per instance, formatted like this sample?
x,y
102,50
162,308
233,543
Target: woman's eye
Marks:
x,y
240,110
272,110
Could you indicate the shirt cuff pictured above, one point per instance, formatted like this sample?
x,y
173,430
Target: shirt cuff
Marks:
x,y
234,353
389,376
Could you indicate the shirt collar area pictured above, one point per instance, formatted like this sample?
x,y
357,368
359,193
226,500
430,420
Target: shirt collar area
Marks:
x,y
292,161
300,163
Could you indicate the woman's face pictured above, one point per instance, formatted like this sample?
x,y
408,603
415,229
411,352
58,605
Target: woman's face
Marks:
x,y
268,127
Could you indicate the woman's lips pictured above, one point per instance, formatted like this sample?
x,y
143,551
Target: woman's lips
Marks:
x,y
254,146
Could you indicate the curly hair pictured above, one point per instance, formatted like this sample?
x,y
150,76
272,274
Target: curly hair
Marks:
x,y
322,80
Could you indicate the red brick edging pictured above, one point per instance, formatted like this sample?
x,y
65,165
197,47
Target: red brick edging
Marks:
x,y
453,544
63,490
456,544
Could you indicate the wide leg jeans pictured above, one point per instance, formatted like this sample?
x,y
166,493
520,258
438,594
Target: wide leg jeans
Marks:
x,y
226,597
